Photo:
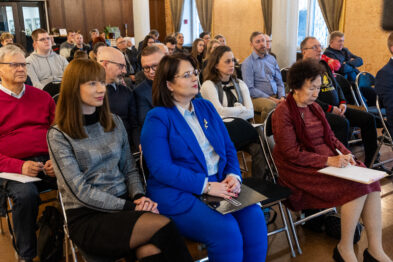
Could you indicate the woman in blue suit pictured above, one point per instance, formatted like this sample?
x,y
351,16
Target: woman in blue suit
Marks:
x,y
188,152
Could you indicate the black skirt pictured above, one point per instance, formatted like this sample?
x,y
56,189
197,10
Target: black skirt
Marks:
x,y
101,233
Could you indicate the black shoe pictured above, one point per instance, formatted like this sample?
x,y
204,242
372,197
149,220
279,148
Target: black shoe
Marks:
x,y
367,257
336,255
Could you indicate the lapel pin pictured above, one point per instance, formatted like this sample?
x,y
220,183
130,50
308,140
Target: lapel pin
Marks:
x,y
204,121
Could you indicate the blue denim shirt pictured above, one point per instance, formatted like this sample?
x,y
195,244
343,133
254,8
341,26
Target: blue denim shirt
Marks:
x,y
262,76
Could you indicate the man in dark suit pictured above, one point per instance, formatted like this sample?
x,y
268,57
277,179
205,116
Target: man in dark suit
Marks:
x,y
151,57
121,98
384,86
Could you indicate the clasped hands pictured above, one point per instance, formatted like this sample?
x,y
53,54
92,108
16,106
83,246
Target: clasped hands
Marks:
x,y
340,110
228,188
146,204
32,168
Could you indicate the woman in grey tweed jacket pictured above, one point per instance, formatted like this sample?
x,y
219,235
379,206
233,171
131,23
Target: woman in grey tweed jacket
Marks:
x,y
108,214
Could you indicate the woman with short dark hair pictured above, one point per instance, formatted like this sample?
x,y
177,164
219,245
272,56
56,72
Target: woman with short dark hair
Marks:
x,y
108,213
304,144
189,153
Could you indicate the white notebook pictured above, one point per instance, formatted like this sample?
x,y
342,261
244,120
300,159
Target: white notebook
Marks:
x,y
19,177
355,173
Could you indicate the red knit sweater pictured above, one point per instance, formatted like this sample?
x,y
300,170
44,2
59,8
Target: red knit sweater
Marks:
x,y
23,126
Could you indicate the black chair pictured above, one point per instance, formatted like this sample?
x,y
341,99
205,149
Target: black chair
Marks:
x,y
268,145
52,89
347,89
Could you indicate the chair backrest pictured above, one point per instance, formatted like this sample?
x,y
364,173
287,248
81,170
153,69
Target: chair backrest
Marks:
x,y
284,73
347,90
52,88
268,143
365,79
381,116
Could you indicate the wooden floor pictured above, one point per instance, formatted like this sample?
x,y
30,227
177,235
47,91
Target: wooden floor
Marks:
x,y
316,246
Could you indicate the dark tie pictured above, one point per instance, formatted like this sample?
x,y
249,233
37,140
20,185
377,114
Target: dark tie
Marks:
x,y
231,98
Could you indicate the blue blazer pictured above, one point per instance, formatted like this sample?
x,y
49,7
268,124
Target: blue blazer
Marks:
x,y
175,160
384,89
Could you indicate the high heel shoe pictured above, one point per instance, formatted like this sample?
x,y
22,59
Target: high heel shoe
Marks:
x,y
337,256
367,257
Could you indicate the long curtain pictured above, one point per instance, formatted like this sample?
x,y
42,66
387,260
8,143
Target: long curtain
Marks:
x,y
177,12
267,7
205,13
331,11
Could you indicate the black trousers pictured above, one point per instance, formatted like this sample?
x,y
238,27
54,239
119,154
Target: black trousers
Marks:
x,y
356,118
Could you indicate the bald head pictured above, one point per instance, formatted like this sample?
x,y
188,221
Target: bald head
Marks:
x,y
162,47
114,63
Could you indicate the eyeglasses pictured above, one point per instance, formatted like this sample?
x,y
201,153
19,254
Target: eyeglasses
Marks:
x,y
188,74
121,66
15,65
146,69
314,47
44,39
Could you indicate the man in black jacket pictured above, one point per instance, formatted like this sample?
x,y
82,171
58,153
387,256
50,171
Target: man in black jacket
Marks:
x,y
349,64
121,98
332,101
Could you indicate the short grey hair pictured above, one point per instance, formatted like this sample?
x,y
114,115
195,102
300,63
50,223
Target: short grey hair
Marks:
x,y
10,50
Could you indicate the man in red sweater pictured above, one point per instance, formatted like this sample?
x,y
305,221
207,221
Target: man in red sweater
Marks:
x,y
25,116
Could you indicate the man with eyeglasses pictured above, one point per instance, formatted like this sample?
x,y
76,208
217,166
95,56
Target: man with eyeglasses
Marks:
x,y
25,116
262,76
121,98
44,65
131,57
332,101
151,57
269,45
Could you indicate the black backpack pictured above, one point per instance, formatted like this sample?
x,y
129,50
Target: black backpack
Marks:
x,y
50,238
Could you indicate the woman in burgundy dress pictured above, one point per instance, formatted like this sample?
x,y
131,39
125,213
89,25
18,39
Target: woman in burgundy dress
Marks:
x,y
304,144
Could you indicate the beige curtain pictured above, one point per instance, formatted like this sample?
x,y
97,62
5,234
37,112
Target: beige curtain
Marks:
x,y
331,11
205,11
177,12
267,7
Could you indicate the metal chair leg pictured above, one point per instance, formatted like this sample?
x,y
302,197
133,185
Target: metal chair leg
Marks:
x,y
286,228
294,232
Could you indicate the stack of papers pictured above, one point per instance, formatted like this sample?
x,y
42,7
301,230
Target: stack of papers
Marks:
x,y
355,173
19,177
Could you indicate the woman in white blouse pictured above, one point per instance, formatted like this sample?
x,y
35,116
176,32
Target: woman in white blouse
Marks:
x,y
231,97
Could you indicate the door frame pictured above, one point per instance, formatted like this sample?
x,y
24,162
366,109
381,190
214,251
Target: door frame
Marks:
x,y
17,11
